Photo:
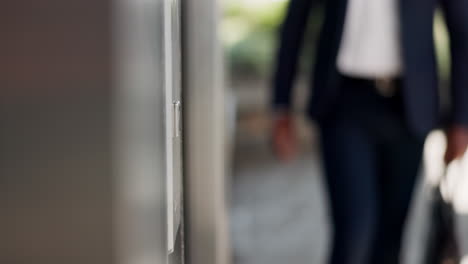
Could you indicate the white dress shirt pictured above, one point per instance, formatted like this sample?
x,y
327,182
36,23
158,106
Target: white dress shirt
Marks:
x,y
370,45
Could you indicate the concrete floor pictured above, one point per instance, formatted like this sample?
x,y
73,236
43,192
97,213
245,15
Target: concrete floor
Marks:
x,y
279,210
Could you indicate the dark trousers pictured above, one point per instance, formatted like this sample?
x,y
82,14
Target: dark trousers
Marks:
x,y
371,162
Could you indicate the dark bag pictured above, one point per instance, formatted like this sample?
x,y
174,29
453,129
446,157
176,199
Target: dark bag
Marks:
x,y
442,247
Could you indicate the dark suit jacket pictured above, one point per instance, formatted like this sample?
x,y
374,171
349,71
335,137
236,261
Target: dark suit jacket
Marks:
x,y
420,78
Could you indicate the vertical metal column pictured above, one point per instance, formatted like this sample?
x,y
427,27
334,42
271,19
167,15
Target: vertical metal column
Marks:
x,y
147,139
205,167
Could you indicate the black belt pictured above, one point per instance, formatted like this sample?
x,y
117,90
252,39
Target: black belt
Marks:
x,y
386,87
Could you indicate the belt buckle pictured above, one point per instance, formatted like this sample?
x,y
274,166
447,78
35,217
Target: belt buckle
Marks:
x,y
385,87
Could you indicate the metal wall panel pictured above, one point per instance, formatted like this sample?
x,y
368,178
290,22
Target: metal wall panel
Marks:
x,y
149,165
55,156
83,158
205,151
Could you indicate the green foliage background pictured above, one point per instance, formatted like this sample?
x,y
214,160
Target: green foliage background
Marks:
x,y
250,35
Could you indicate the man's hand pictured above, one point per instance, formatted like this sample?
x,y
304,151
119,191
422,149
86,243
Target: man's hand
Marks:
x,y
284,137
457,143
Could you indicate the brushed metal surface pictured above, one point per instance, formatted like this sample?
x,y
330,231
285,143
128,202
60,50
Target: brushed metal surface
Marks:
x,y
55,160
82,157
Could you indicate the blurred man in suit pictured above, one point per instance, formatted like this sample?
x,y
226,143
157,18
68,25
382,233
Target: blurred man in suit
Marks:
x,y
375,98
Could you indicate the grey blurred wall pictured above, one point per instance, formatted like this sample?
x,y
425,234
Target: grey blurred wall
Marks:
x,y
206,157
55,118
82,151
82,156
